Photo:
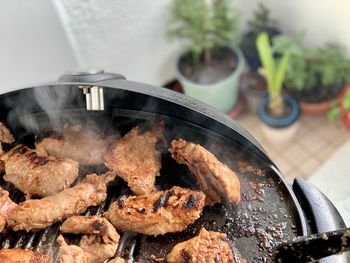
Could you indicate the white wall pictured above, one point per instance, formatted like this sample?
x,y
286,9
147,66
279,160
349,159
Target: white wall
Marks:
x,y
128,37
33,46
322,20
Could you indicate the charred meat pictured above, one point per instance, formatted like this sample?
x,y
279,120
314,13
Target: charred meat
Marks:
x,y
71,253
136,159
100,240
6,208
17,255
5,136
215,179
79,143
208,246
38,214
37,175
156,214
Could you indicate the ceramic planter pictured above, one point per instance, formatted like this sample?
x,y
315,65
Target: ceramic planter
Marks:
x,y
222,95
253,96
279,130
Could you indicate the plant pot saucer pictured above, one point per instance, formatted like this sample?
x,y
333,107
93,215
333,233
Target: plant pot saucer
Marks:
x,y
233,113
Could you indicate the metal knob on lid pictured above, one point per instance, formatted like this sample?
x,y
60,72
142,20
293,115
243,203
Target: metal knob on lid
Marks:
x,y
93,93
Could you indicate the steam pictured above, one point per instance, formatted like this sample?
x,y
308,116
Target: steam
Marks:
x,y
47,106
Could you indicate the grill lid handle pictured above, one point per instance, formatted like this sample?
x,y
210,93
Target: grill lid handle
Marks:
x,y
93,93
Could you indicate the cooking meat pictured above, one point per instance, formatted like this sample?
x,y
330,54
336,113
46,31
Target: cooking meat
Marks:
x,y
37,175
90,225
6,207
38,214
156,214
100,240
117,260
215,179
71,253
17,255
5,136
136,159
79,143
208,246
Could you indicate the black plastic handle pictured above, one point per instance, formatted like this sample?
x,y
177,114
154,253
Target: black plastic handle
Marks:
x,y
320,213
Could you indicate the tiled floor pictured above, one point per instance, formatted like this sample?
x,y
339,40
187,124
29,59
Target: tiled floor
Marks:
x,y
314,142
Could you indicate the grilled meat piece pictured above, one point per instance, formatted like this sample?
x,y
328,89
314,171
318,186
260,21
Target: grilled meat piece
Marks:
x,y
117,260
71,253
156,214
5,136
38,214
215,179
37,175
100,240
136,159
79,143
6,208
208,246
91,225
17,255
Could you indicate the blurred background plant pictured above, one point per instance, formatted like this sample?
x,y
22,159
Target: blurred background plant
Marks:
x,y
202,25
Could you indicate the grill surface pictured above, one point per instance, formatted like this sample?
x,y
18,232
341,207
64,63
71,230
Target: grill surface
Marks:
x,y
266,215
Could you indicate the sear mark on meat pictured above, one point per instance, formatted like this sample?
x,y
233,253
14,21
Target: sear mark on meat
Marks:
x,y
100,240
6,208
17,255
41,213
215,179
79,143
136,159
208,246
162,212
36,175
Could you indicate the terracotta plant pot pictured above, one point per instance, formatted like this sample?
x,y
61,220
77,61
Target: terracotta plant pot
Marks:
x,y
345,114
315,108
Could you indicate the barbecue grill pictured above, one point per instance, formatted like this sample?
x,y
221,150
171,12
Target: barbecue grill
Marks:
x,y
271,211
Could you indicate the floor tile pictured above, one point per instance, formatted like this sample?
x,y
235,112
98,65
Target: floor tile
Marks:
x,y
296,154
283,164
312,142
309,167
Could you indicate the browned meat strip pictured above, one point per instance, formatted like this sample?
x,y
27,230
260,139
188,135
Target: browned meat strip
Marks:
x,y
208,246
215,179
6,208
36,175
117,260
100,240
5,136
76,142
71,253
17,255
38,214
156,214
136,159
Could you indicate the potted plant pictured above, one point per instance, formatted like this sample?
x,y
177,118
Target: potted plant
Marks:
x,y
341,107
262,22
279,113
208,68
314,77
